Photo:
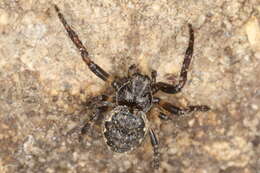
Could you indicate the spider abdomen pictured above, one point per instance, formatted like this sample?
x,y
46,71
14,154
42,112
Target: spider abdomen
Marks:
x,y
123,130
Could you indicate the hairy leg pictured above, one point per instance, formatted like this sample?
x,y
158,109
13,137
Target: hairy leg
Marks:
x,y
155,144
132,70
98,71
172,89
98,104
153,76
182,111
164,116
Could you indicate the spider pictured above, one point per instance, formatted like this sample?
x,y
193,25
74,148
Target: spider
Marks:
x,y
126,108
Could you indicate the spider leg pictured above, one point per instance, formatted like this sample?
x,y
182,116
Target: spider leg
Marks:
x,y
132,70
90,123
172,89
99,104
153,76
163,116
98,71
181,111
156,153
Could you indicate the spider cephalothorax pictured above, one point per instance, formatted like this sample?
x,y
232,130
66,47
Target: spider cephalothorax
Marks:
x,y
136,92
126,112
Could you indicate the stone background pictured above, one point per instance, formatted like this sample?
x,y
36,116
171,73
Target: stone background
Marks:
x,y
44,83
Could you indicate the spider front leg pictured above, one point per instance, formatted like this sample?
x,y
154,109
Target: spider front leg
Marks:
x,y
153,76
98,71
132,70
156,153
172,89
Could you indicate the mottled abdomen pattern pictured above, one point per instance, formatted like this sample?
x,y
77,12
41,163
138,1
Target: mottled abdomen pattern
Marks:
x,y
123,130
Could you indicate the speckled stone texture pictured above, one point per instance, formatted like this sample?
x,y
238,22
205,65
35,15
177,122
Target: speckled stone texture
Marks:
x,y
44,83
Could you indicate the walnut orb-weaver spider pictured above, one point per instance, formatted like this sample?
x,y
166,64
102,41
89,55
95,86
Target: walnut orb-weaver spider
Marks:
x,y
125,111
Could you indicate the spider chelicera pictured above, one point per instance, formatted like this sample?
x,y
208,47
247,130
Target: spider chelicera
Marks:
x,y
127,107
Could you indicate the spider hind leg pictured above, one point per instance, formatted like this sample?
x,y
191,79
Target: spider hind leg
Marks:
x,y
182,111
156,153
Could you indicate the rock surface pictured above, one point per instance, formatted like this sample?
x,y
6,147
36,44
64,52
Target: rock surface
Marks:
x,y
44,83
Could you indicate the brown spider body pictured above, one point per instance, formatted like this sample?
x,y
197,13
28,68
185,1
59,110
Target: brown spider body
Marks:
x,y
125,112
126,125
